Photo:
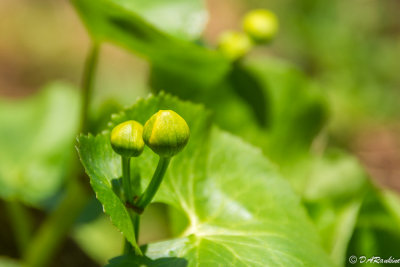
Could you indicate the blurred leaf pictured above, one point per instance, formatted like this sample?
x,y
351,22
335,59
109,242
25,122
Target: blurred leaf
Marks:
x,y
182,18
378,231
111,20
239,210
391,202
36,143
8,262
298,109
99,239
335,176
333,188
356,60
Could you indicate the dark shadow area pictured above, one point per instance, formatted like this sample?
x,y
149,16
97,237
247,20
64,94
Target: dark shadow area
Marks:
x,y
117,186
133,261
249,89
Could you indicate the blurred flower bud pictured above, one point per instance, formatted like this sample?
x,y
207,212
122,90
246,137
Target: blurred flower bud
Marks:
x,y
127,140
261,25
234,45
166,133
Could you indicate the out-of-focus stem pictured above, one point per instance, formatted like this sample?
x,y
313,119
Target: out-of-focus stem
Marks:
x,y
53,231
89,76
21,223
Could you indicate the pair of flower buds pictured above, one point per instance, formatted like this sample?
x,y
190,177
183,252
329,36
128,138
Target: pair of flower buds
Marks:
x,y
166,133
259,26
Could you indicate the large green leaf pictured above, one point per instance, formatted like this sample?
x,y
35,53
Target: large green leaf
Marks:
x,y
239,211
118,21
36,143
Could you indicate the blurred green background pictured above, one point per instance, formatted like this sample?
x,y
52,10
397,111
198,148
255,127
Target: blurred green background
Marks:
x,y
349,49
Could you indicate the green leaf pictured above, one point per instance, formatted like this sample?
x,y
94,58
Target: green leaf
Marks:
x,y
239,211
36,143
118,22
182,18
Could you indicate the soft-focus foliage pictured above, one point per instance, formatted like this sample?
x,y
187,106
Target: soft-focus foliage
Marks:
x,y
36,143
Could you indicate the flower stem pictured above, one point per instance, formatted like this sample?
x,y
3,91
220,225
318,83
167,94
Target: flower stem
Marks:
x,y
136,224
21,222
89,76
152,188
126,178
127,185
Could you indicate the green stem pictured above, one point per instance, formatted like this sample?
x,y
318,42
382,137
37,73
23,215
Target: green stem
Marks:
x,y
89,76
126,178
53,231
126,184
21,223
136,221
128,248
152,188
136,224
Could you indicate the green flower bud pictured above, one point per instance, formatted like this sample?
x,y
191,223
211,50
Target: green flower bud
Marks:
x,y
234,44
126,139
166,133
261,25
